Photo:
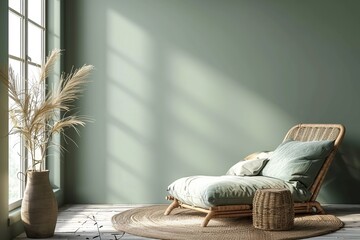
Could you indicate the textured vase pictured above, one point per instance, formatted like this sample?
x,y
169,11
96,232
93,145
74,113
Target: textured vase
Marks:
x,y
39,207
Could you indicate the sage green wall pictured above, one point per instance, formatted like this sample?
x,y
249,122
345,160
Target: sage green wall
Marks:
x,y
190,87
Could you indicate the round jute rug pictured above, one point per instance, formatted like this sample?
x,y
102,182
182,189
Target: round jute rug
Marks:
x,y
150,222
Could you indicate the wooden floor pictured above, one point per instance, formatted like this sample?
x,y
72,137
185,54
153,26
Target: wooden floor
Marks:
x,y
74,222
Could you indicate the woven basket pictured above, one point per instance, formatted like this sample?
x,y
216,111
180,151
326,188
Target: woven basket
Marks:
x,y
273,209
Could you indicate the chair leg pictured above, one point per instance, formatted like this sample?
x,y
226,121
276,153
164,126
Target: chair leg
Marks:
x,y
172,206
319,208
207,219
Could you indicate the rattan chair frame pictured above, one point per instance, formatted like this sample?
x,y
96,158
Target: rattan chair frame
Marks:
x,y
300,132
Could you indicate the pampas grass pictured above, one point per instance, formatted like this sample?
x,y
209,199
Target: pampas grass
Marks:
x,y
36,116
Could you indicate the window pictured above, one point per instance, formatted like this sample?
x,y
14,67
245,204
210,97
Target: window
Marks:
x,y
26,53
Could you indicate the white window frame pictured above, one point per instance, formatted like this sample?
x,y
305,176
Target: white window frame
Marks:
x,y
25,62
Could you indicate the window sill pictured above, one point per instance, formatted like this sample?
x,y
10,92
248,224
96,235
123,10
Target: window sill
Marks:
x,y
14,216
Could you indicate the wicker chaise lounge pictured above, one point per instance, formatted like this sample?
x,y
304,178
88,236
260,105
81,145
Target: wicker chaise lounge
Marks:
x,y
304,188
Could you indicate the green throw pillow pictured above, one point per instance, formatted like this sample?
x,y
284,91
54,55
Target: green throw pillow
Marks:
x,y
298,161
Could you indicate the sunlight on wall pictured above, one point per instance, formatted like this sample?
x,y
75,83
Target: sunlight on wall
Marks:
x,y
128,96
169,112
129,90
130,121
219,107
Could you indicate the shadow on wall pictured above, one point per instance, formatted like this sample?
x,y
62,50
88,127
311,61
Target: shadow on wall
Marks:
x,y
183,88
170,107
343,171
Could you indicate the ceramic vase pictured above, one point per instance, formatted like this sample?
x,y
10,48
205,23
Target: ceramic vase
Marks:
x,y
39,206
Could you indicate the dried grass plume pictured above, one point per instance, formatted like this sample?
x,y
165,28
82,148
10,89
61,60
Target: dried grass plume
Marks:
x,y
37,116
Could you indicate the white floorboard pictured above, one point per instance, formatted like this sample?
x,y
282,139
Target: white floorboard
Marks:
x,y
74,222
